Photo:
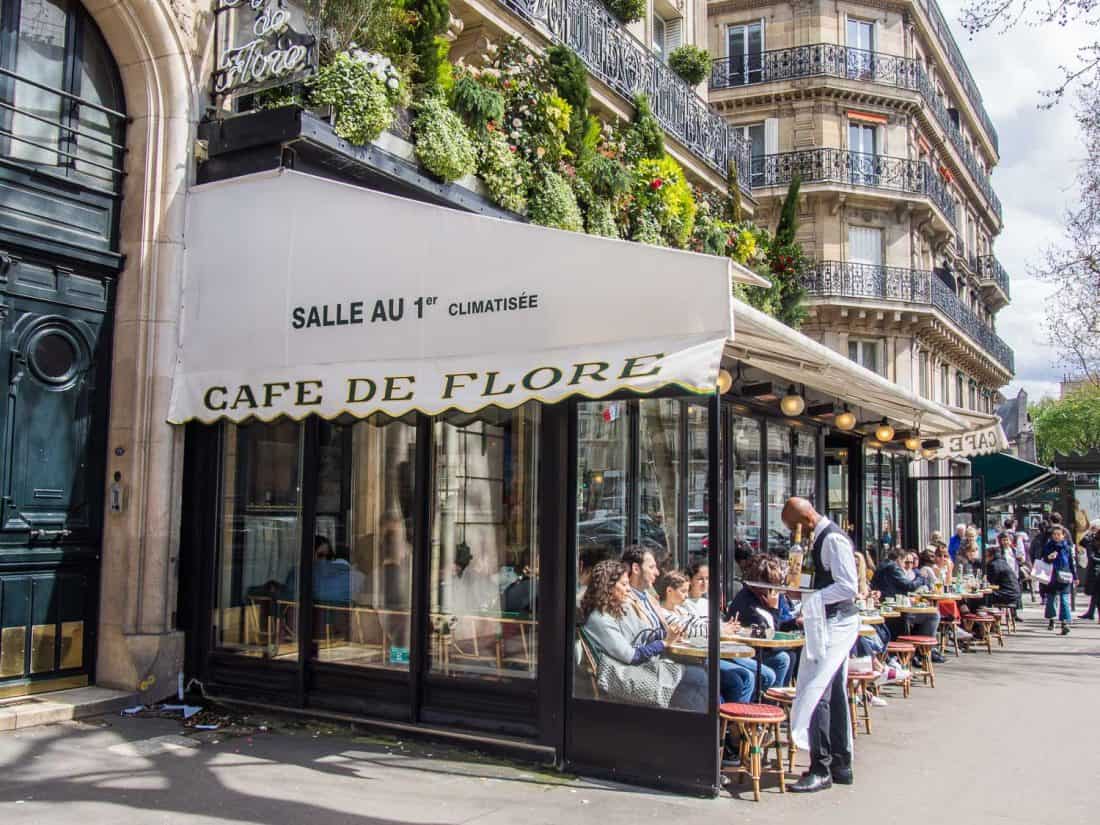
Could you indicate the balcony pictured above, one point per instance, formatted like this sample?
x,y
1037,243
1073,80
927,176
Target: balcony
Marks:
x,y
614,56
958,63
990,271
833,60
816,60
911,177
840,279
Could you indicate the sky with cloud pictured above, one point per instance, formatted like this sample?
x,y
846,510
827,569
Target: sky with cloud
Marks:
x,y
1040,154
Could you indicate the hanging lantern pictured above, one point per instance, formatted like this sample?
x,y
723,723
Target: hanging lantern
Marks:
x,y
792,403
846,420
884,432
725,382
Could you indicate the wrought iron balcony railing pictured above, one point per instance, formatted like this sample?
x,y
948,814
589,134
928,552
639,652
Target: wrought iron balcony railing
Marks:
x,y
841,279
815,60
988,268
624,63
958,63
833,60
58,133
913,177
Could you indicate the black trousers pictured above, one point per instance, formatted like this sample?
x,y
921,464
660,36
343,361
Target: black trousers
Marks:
x,y
830,728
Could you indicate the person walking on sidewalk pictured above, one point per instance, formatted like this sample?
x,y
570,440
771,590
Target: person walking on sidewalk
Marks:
x,y
1059,552
1091,542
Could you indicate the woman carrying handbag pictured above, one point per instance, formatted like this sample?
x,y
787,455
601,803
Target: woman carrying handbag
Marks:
x,y
1059,552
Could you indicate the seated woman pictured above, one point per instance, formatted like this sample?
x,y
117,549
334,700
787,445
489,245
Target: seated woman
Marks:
x,y
629,648
768,608
736,681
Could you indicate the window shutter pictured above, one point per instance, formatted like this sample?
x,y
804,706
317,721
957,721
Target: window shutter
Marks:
x,y
771,136
674,34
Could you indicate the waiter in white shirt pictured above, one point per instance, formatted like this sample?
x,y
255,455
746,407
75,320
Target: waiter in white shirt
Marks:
x,y
831,623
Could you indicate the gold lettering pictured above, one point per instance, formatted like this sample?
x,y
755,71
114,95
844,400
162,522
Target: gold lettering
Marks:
x,y
269,391
491,378
529,378
452,382
392,387
353,385
305,388
581,371
207,399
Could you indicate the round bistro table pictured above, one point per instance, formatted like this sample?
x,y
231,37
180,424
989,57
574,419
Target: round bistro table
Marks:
x,y
766,644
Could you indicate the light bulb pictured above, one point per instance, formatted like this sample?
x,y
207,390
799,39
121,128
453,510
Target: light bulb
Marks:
x,y
884,432
725,382
792,403
846,420
928,454
912,443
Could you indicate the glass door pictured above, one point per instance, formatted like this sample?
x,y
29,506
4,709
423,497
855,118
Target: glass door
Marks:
x,y
861,47
745,53
863,151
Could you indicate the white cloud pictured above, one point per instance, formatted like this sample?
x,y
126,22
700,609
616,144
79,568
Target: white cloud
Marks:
x,y
1040,151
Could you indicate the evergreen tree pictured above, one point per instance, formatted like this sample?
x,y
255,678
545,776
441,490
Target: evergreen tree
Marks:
x,y
786,262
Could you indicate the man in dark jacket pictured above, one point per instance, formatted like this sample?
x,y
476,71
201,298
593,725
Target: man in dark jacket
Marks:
x,y
890,580
1001,575
1091,542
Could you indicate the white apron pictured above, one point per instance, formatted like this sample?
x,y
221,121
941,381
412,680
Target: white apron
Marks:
x,y
828,644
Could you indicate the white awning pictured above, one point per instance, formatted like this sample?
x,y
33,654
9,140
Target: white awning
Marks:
x,y
763,342
307,296
982,435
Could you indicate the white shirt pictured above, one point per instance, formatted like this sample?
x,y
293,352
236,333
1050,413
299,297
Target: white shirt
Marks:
x,y
838,557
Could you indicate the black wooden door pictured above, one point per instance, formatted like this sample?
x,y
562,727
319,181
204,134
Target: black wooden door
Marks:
x,y
54,368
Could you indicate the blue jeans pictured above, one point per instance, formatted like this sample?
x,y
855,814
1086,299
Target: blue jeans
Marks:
x,y
779,662
1062,598
736,684
691,693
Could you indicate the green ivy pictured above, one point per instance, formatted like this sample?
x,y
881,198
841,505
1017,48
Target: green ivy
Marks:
x,y
552,202
362,107
662,192
600,219
570,77
691,63
607,176
430,19
443,143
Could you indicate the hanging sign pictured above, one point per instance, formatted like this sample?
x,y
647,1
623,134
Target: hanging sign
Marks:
x,y
259,46
988,439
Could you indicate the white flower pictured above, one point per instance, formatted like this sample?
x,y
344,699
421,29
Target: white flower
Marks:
x,y
517,122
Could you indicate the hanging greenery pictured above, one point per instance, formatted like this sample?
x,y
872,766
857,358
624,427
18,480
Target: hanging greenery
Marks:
x,y
645,138
661,192
628,11
362,105
443,143
429,20
568,74
378,25
691,63
552,202
477,104
502,170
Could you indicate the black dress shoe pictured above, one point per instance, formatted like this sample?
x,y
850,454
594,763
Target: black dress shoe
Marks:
x,y
811,783
842,776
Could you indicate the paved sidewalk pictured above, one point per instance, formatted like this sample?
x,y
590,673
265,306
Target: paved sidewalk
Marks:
x,y
1007,738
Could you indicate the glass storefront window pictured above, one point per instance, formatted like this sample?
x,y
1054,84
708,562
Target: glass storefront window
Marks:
x,y
746,494
484,559
256,603
659,484
888,526
623,641
603,465
872,502
698,489
363,543
779,484
836,475
805,465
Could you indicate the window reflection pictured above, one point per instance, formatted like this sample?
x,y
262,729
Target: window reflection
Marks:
x,y
630,647
363,543
746,500
484,565
256,606
779,484
603,463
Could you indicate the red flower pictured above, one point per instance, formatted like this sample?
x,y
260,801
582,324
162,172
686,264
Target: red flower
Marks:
x,y
511,148
490,126
656,184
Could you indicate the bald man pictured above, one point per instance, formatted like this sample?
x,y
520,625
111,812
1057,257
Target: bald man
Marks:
x,y
821,703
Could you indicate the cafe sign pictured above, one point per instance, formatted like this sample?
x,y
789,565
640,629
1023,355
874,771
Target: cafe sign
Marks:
x,y
260,44
980,441
304,296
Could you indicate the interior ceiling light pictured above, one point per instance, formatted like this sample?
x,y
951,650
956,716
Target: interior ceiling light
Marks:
x,y
884,432
792,403
846,420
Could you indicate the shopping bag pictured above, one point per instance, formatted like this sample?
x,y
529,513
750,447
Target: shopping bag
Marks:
x,y
1042,570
